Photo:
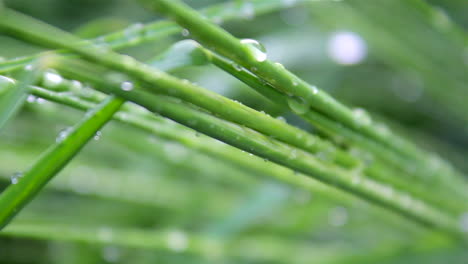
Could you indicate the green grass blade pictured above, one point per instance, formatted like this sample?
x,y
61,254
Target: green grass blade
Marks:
x,y
252,58
273,150
24,188
13,94
138,33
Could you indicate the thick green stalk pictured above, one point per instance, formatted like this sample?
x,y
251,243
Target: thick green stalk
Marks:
x,y
249,163
268,148
222,42
161,82
403,177
138,33
27,185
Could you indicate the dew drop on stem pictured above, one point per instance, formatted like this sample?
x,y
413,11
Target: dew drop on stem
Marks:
x,y
52,79
255,49
98,135
185,32
298,105
361,117
31,98
126,86
63,134
16,177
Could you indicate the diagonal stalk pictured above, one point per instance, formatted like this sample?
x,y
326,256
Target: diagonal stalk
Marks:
x,y
222,42
27,185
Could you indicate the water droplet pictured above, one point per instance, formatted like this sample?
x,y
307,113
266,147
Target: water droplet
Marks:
x,y
338,216
313,89
133,31
76,86
31,98
16,177
98,135
236,66
255,49
279,65
463,222
28,67
126,86
298,105
281,118
63,134
40,100
177,241
361,117
52,79
185,32
247,10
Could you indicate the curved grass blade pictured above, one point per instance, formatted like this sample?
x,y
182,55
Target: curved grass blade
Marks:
x,y
24,188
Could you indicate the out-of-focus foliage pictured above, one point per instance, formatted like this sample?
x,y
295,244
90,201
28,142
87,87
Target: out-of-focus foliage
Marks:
x,y
146,199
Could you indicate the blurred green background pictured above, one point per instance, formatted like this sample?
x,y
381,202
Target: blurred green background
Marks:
x,y
404,61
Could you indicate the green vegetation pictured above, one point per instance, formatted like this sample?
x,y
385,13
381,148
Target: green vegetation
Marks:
x,y
220,148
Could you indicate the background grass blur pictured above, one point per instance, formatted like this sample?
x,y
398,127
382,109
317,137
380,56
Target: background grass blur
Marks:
x,y
406,64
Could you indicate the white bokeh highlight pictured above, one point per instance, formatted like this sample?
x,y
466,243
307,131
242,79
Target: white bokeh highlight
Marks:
x,y
346,48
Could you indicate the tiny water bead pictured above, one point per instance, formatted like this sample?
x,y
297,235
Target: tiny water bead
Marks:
x,y
31,98
97,136
279,65
361,117
126,86
52,79
313,89
298,105
16,177
63,134
255,49
185,32
236,66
